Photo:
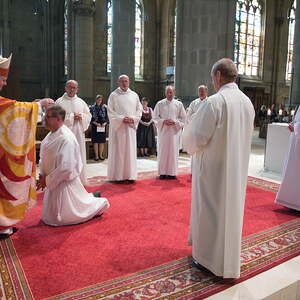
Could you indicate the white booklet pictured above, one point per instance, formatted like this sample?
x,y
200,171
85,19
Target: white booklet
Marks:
x,y
100,129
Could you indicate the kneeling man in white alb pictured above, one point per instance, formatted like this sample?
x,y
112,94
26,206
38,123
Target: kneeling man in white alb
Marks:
x,y
66,201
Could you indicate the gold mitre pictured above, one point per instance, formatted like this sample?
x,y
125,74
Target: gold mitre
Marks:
x,y
4,65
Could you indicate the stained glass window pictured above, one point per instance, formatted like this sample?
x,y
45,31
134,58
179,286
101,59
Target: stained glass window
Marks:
x,y
109,35
66,36
173,40
247,43
138,36
291,20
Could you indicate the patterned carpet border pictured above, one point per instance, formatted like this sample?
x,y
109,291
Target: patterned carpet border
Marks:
x,y
177,279
13,283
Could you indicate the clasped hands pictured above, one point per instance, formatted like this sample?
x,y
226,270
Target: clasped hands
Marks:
x,y
128,120
169,122
41,182
77,117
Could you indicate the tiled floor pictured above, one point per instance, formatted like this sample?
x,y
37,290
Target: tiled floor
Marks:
x,y
279,283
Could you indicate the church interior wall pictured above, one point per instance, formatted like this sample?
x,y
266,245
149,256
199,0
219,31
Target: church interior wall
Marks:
x,y
38,55
275,40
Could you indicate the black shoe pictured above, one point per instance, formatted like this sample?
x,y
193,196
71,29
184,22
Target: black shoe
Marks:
x,y
4,236
96,159
102,158
97,194
196,265
171,177
130,181
162,177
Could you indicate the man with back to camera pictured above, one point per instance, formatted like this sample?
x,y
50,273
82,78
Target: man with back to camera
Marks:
x,y
219,136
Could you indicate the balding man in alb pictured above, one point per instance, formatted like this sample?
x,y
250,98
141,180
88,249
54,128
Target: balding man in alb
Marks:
x,y
169,117
78,118
195,104
219,136
124,113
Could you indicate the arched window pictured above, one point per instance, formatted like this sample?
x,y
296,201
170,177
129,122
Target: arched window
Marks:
x,y
138,37
109,35
291,20
248,40
66,37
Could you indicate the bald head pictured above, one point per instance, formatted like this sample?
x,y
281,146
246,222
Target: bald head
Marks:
x,y
202,91
123,82
170,92
71,88
223,71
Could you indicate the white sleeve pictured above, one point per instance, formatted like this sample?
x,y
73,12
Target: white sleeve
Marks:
x,y
158,121
200,130
68,165
86,117
179,123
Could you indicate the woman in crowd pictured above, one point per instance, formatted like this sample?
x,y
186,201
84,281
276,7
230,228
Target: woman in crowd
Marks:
x,y
99,121
145,131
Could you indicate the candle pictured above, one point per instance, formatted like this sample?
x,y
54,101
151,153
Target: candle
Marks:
x,y
280,112
292,112
269,112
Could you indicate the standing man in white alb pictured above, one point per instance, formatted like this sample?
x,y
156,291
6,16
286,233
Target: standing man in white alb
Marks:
x,y
219,136
169,117
124,113
289,191
66,201
195,104
78,118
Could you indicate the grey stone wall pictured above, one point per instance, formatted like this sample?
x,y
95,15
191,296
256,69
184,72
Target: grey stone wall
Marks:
x,y
205,31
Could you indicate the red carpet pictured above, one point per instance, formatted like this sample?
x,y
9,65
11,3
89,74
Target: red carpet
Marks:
x,y
146,226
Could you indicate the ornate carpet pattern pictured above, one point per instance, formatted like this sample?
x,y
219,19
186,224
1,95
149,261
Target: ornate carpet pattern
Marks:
x,y
180,280
177,279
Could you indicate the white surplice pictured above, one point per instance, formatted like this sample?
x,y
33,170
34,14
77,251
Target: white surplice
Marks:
x,y
76,105
122,162
66,201
289,191
191,110
193,107
219,136
168,142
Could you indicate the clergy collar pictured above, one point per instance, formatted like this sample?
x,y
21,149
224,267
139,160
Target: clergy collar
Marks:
x,y
65,96
120,91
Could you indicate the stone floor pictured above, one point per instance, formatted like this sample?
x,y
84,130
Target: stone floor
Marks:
x,y
281,282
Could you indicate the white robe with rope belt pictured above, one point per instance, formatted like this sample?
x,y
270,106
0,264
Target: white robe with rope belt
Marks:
x,y
66,201
219,136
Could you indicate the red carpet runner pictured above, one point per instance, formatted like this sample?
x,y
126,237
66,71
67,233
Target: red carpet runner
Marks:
x,y
146,226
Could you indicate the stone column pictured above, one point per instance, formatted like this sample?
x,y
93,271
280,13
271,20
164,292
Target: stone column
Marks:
x,y
295,84
205,33
83,47
123,40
